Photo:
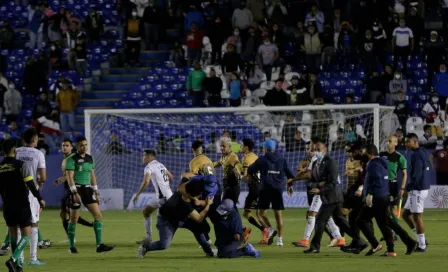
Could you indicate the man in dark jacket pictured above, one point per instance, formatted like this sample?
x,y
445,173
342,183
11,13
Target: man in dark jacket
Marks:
x,y
326,183
152,17
6,36
213,86
231,60
376,192
276,96
402,110
94,25
273,171
417,186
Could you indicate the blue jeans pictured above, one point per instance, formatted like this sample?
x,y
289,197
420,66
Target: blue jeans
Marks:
x,y
67,122
166,233
231,250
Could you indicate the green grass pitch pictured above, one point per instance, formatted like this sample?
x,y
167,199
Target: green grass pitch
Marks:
x,y
124,228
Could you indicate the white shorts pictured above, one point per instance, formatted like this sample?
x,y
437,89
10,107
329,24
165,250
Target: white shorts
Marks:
x,y
416,201
156,203
35,208
315,204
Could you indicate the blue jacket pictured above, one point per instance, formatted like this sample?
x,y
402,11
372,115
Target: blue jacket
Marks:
x,y
440,83
193,17
376,182
273,171
419,173
210,184
235,89
34,23
226,227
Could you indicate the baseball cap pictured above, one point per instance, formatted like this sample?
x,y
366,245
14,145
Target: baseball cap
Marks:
x,y
226,207
269,144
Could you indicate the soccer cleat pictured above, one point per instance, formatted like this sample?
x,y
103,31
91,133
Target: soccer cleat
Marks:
x,y
104,248
421,250
246,234
354,250
3,252
36,262
374,250
311,251
333,242
302,243
251,251
11,265
279,242
73,250
389,254
45,244
141,252
411,247
145,240
340,242
5,246
272,234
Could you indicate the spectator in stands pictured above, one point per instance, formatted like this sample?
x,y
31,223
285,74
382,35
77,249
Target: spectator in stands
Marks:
x,y
289,131
321,124
347,44
417,25
12,102
218,35
231,61
57,85
140,6
42,107
432,113
380,37
276,96
313,49
47,13
115,147
434,50
14,131
257,8
299,95
54,30
402,44
194,44
81,57
152,18
396,85
193,16
236,88
349,134
251,46
35,31
94,25
235,40
340,142
177,55
298,143
213,86
277,12
362,16
194,85
402,110
6,35
317,17
72,37
439,161
55,55
440,83
66,101
49,128
327,39
254,77
428,140
276,35
269,57
66,23
133,34
42,145
336,22
242,19
400,138
368,52
393,24
314,87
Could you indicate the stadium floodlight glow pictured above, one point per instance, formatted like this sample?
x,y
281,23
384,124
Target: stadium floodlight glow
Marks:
x,y
117,137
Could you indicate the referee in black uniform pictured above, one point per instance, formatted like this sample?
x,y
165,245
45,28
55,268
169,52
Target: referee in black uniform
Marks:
x,y
325,180
15,183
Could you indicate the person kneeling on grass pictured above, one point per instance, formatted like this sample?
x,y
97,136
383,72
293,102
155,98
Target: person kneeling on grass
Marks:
x,y
229,232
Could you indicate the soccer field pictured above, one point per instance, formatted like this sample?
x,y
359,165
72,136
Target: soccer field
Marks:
x,y
124,228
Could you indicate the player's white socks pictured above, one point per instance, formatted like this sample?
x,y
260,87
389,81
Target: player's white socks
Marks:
x,y
309,227
33,244
421,241
334,228
148,227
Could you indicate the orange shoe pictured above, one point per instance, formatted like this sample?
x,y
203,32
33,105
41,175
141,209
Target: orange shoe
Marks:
x,y
302,243
263,242
389,254
246,233
264,237
340,242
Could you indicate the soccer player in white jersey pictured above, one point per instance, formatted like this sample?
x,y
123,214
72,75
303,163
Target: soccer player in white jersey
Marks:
x,y
160,177
35,161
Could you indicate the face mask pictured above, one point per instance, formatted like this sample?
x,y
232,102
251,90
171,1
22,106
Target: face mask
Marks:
x,y
267,42
53,47
319,155
435,100
402,25
443,71
11,86
134,14
236,33
397,76
376,28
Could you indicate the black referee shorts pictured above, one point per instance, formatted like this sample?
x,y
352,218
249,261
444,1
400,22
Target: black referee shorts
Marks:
x,y
393,193
270,196
17,217
86,194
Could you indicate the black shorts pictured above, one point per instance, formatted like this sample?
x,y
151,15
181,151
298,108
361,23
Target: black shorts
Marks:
x,y
231,192
251,202
270,196
393,193
86,194
18,217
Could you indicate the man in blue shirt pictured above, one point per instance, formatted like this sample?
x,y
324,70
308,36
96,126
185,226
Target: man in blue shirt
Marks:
x,y
417,188
229,232
274,172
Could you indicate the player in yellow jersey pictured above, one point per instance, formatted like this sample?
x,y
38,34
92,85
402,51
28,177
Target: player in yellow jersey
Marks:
x,y
232,170
253,183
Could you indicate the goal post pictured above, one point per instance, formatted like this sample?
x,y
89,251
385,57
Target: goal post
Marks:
x,y
117,137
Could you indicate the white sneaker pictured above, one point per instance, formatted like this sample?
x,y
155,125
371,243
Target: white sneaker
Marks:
x,y
144,241
141,252
209,242
279,242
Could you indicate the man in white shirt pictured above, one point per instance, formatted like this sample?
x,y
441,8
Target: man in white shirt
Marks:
x,y
160,177
35,161
434,115
428,140
402,43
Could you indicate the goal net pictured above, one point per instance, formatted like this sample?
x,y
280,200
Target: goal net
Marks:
x,y
117,138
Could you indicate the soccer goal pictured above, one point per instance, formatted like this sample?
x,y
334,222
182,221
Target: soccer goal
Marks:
x,y
118,137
